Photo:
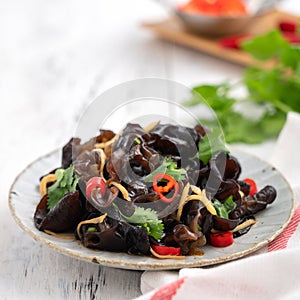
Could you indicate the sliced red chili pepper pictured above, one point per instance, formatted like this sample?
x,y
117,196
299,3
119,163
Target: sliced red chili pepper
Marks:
x,y
93,183
292,37
165,250
287,26
234,41
170,187
221,239
253,187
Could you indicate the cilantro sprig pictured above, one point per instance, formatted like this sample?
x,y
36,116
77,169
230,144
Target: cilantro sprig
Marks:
x,y
146,218
224,209
167,167
210,144
272,92
66,181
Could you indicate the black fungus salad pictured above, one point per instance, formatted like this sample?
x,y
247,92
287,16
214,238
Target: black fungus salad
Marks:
x,y
164,190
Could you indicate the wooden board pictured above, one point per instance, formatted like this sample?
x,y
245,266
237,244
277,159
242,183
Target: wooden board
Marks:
x,y
173,30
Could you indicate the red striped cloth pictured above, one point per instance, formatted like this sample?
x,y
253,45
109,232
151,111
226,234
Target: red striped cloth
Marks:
x,y
168,291
281,241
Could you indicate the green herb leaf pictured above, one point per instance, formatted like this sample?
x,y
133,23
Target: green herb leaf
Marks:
x,y
290,57
148,219
137,141
262,85
91,229
224,209
167,167
210,144
271,91
66,181
266,46
216,96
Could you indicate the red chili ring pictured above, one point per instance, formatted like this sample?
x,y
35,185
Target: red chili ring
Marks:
x,y
171,183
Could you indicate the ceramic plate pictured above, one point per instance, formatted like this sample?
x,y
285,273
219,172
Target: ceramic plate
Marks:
x,y
24,196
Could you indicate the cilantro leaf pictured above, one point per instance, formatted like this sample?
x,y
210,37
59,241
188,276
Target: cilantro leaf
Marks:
x,y
266,46
167,167
224,209
148,219
210,144
262,85
66,181
154,229
273,92
290,57
216,96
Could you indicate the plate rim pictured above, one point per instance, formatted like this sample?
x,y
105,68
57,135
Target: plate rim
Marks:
x,y
155,264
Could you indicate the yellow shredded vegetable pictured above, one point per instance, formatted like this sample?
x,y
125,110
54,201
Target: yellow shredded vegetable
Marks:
x,y
43,184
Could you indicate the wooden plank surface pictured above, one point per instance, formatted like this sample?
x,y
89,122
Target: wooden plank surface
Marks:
x,y
173,30
35,271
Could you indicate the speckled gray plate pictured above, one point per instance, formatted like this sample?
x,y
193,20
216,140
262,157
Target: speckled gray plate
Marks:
x,y
24,196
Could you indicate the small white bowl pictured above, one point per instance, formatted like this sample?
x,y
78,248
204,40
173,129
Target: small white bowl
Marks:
x,y
221,25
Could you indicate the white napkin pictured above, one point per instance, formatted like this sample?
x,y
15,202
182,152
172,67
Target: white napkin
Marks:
x,y
286,156
270,275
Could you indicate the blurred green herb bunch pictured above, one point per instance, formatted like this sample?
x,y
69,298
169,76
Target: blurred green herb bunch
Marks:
x,y
270,92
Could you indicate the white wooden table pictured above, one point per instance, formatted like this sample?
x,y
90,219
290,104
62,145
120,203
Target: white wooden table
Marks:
x,y
55,57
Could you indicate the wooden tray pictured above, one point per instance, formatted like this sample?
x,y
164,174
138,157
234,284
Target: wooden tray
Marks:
x,y
173,30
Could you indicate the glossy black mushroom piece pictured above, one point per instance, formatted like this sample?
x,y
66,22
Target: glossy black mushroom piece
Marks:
x,y
221,182
224,224
252,205
63,217
74,147
116,236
